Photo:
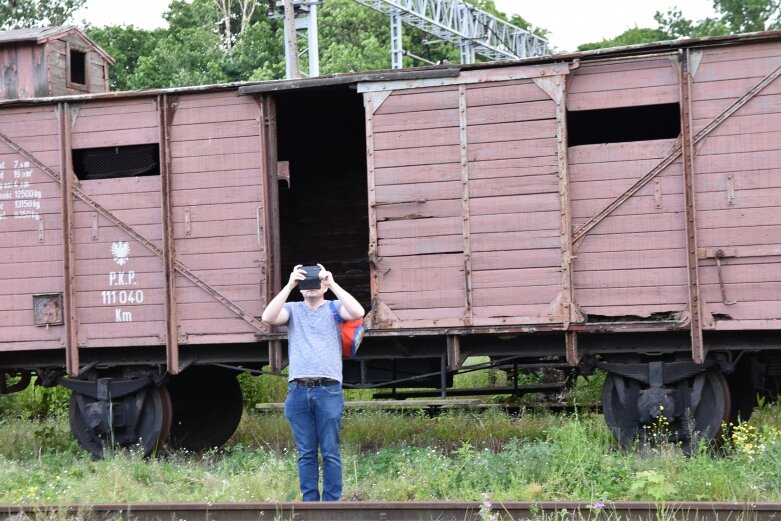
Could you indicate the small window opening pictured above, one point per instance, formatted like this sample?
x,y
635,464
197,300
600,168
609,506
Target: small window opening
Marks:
x,y
620,125
110,162
78,67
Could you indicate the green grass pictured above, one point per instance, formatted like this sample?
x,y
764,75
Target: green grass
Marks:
x,y
391,456
458,455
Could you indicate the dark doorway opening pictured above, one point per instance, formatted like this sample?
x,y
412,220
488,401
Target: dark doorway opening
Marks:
x,y
324,211
623,124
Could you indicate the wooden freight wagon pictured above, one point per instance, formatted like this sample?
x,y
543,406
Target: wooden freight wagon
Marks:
x,y
614,209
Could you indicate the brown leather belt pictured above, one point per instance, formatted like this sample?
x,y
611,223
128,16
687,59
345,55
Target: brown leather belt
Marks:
x,y
314,382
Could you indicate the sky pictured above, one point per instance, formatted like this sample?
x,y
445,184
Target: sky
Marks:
x,y
570,22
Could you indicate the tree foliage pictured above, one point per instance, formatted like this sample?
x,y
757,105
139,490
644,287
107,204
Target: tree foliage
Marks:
x,y
632,36
733,16
213,41
18,14
127,45
740,16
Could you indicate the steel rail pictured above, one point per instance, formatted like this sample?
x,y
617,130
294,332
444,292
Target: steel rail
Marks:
x,y
398,511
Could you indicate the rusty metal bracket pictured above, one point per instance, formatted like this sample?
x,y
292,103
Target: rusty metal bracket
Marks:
x,y
283,172
730,190
377,263
720,255
675,154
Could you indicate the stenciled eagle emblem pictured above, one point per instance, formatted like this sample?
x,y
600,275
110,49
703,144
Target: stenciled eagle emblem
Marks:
x,y
121,251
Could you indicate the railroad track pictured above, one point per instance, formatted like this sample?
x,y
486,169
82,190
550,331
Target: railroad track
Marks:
x,y
397,511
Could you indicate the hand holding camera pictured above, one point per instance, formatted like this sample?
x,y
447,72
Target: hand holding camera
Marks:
x,y
311,277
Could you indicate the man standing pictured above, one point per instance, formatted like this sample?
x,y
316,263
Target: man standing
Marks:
x,y
314,402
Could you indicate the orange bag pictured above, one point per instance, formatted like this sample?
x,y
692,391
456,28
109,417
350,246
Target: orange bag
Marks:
x,y
350,332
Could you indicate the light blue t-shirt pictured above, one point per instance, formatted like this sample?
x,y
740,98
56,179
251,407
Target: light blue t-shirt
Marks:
x,y
314,349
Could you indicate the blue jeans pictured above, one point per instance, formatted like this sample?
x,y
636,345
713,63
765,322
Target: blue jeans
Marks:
x,y
315,416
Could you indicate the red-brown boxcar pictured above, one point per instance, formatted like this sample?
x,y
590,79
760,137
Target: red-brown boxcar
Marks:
x,y
615,209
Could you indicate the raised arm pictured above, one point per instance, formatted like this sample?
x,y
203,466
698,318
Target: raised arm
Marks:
x,y
351,309
275,313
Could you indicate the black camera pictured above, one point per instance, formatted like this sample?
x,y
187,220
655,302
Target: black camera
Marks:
x,y
312,280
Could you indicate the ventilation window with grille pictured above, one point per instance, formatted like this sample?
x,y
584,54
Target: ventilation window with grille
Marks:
x,y
113,162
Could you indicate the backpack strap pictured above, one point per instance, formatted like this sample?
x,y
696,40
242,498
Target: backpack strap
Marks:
x,y
335,311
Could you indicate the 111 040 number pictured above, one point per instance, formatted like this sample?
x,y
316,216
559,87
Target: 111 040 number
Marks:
x,y
131,296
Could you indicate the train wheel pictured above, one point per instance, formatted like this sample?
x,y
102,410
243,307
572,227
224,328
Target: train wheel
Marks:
x,y
141,419
742,393
707,405
619,405
207,406
701,406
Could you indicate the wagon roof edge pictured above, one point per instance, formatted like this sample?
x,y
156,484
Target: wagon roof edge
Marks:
x,y
434,71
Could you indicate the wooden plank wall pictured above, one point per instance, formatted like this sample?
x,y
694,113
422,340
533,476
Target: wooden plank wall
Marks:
x,y
31,245
217,176
216,181
514,218
417,158
120,301
515,225
8,87
739,160
633,263
19,71
56,52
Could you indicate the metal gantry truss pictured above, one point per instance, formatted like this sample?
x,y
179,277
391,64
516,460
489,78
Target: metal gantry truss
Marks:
x,y
474,31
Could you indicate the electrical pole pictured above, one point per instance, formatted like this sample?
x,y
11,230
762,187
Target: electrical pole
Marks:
x,y
291,44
